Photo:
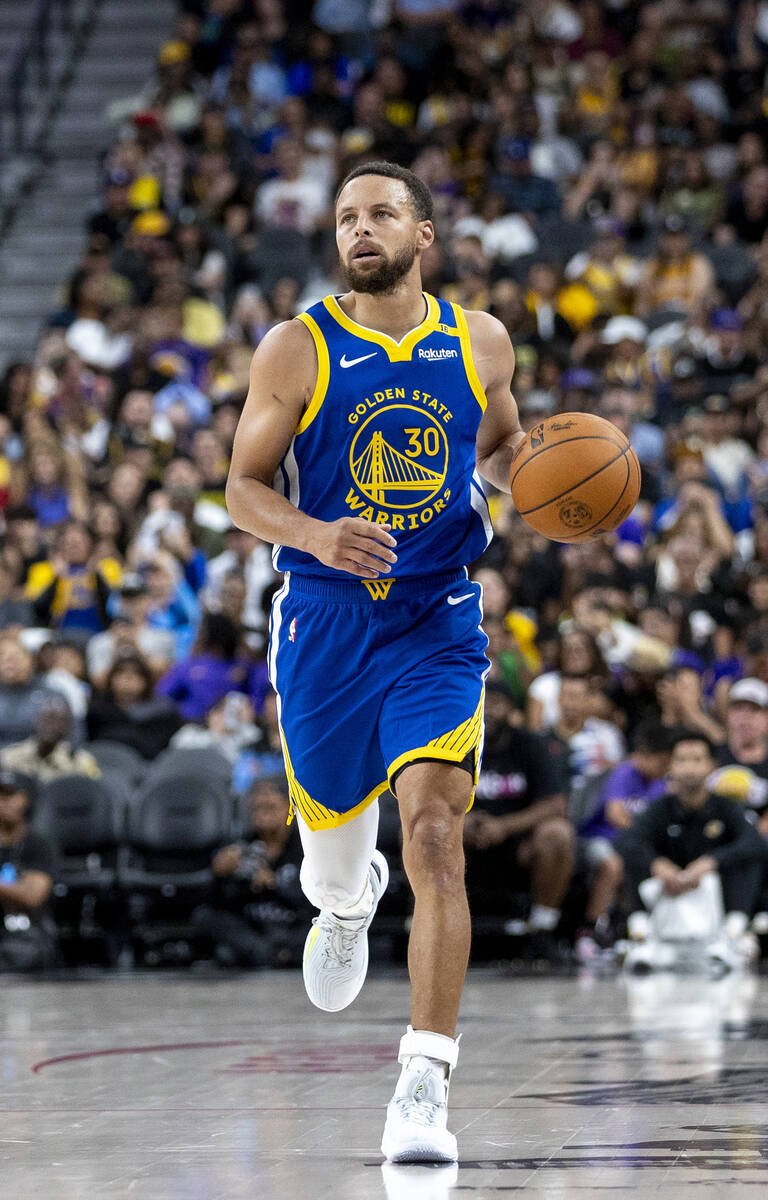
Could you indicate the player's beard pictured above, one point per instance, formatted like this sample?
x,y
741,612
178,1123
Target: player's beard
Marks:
x,y
385,277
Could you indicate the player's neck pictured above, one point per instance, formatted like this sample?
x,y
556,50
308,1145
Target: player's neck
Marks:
x,y
394,313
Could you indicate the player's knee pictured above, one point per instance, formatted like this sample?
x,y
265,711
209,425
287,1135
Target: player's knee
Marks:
x,y
327,893
432,846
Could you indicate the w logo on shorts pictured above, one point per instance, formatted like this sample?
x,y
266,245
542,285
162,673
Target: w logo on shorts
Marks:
x,y
379,588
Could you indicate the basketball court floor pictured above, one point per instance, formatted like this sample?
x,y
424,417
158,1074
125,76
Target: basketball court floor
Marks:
x,y
220,1089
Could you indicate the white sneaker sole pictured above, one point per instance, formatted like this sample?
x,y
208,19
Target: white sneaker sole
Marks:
x,y
421,1149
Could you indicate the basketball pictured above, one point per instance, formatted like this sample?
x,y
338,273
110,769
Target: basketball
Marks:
x,y
574,477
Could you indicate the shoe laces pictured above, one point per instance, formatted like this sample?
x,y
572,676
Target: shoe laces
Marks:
x,y
418,1112
342,943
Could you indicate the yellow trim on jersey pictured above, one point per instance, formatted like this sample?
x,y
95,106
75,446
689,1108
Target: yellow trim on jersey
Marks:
x,y
397,351
466,354
452,747
314,814
323,372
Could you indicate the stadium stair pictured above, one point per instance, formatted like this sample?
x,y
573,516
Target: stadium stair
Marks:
x,y
111,57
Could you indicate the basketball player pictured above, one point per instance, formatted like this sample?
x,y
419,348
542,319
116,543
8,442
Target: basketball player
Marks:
x,y
357,454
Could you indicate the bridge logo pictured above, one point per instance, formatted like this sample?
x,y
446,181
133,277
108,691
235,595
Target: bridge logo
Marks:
x,y
399,457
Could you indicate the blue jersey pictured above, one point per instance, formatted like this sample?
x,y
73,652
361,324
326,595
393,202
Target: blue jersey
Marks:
x,y
389,435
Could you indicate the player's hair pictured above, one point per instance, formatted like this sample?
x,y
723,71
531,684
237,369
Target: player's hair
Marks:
x,y
421,197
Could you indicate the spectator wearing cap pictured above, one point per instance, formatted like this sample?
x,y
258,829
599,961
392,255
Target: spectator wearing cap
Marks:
x,y
725,360
728,458
743,757
676,279
22,692
48,754
70,590
626,362
27,873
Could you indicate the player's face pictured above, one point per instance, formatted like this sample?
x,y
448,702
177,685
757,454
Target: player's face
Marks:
x,y
377,234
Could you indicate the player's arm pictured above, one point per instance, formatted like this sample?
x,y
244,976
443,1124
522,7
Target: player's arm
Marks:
x,y
282,380
499,434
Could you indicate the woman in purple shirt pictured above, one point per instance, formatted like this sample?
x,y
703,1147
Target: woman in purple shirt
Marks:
x,y
628,790
213,669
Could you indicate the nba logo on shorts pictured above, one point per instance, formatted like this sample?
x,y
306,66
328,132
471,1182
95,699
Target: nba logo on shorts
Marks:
x,y
292,631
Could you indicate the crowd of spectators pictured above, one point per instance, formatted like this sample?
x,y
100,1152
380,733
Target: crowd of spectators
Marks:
x,y
600,175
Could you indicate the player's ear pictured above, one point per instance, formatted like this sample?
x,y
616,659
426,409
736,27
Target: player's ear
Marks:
x,y
426,234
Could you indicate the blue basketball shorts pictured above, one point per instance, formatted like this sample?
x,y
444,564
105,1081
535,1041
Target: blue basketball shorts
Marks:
x,y
371,676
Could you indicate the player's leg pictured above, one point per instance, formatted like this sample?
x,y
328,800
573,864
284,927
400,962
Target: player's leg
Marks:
x,y
433,798
344,875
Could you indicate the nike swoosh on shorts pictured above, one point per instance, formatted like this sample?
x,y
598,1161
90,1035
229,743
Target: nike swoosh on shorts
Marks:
x,y
458,599
352,362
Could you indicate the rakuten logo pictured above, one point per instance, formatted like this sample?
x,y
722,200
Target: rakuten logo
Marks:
x,y
437,354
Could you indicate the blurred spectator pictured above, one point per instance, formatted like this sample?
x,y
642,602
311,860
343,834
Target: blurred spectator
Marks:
x,y
579,744
48,754
229,728
688,834
71,590
22,693
677,279
743,773
212,670
131,629
27,873
258,916
13,611
578,654
624,795
126,709
246,553
519,821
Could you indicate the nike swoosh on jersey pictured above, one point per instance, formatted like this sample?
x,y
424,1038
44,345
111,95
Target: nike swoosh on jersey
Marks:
x,y
458,599
352,362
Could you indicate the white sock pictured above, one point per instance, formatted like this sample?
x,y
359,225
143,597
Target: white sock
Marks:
x,y
543,918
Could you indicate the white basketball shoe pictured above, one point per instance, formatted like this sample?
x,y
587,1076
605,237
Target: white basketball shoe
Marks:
x,y
417,1115
336,949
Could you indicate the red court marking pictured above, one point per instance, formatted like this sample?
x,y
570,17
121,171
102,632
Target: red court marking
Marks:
x,y
84,1054
298,1059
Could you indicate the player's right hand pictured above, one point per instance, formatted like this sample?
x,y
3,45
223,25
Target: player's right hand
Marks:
x,y
356,546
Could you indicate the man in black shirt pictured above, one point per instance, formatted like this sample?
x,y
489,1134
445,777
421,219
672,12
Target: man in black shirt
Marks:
x,y
258,914
27,932
518,823
689,834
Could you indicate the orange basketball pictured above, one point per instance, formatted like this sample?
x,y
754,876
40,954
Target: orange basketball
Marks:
x,y
575,477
